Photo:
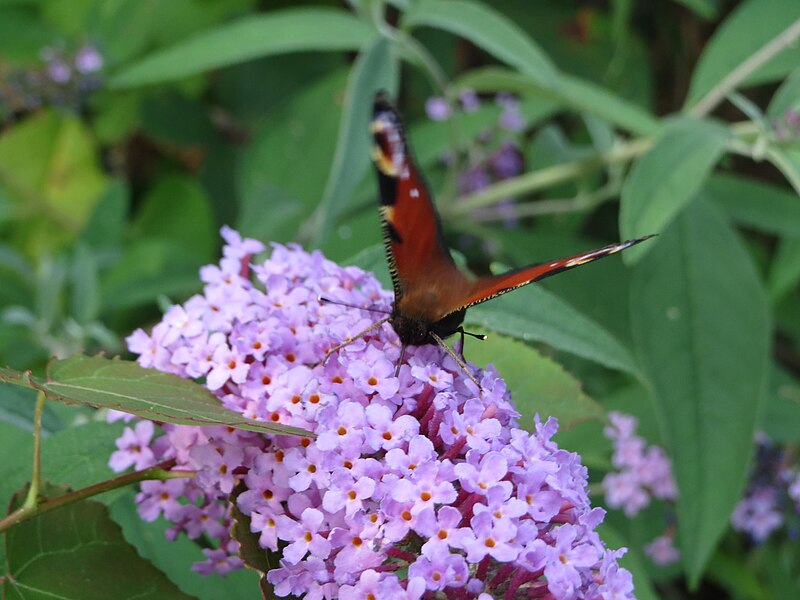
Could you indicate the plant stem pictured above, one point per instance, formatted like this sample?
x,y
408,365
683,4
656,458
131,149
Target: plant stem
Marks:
x,y
549,176
157,472
36,471
717,94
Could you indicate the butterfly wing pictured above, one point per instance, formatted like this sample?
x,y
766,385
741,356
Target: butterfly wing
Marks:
x,y
486,288
424,275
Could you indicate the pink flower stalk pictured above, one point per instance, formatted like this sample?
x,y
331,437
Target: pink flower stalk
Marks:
x,y
417,483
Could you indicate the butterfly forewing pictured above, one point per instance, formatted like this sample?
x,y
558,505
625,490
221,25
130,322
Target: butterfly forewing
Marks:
x,y
425,277
486,288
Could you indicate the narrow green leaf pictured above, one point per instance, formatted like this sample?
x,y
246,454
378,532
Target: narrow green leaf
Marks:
x,y
746,30
755,204
568,91
706,9
487,29
784,272
85,300
663,180
701,326
376,68
279,32
534,314
147,393
537,384
78,552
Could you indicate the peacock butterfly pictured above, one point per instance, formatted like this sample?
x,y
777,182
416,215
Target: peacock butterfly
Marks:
x,y
431,295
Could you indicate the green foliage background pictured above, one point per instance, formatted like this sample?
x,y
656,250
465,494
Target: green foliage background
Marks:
x,y
670,117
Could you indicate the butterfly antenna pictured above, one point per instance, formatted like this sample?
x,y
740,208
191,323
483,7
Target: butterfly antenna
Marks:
x,y
350,340
459,361
340,303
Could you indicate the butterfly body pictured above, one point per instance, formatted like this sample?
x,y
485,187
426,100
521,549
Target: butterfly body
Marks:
x,y
431,293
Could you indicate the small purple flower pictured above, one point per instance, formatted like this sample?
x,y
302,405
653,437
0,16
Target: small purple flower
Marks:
x,y
662,551
437,108
469,100
304,536
507,161
511,117
88,60
134,448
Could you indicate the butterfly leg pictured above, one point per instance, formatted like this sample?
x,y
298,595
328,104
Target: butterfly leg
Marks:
x,y
349,341
459,361
400,360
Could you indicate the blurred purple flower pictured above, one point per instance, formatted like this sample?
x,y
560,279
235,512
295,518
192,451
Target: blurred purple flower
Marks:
x,y
437,108
507,161
88,60
644,471
469,100
417,483
662,551
511,117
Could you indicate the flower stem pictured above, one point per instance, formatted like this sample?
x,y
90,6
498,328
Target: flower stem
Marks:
x,y
157,472
549,176
36,471
717,94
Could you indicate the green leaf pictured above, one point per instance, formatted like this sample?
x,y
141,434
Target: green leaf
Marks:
x,y
146,393
784,272
487,29
781,418
85,299
106,226
146,270
787,96
164,211
49,168
537,384
276,195
570,92
78,552
375,69
534,314
664,179
787,159
747,29
17,406
279,32
756,204
175,558
701,326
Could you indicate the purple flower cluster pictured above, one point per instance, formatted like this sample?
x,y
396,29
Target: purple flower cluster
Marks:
x,y
417,484
644,472
64,79
772,498
495,154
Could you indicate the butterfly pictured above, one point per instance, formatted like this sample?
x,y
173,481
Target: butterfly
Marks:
x,y
431,295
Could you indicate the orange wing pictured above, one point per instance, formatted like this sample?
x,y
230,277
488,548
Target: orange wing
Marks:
x,y
487,288
424,275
